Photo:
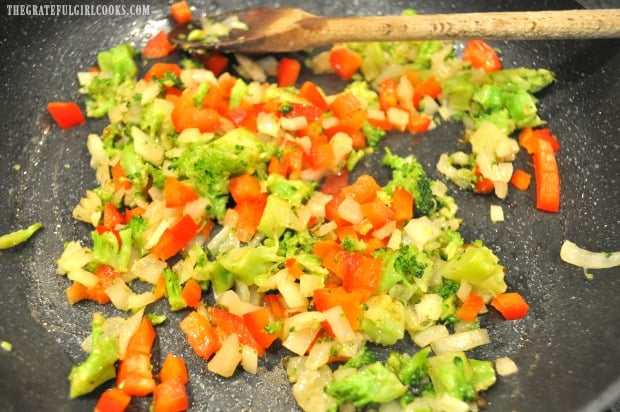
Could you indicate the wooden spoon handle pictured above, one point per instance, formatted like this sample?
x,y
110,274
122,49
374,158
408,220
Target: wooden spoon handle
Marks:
x,y
539,25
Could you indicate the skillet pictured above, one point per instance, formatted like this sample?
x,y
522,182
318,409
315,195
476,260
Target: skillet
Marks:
x,y
567,346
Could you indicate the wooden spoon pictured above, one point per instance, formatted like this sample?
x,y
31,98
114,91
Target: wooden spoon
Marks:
x,y
292,29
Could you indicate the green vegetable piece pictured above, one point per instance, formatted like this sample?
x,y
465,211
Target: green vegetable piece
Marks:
x,y
409,174
99,365
6,345
373,134
156,319
119,61
246,263
479,267
222,279
372,384
295,192
522,108
383,321
238,91
483,374
277,217
138,225
363,357
452,373
19,236
489,96
106,248
173,290
529,80
411,370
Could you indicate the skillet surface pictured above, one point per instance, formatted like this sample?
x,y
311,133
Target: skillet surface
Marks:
x,y
566,348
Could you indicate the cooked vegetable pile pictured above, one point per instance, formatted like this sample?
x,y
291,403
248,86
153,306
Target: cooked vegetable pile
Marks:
x,y
230,197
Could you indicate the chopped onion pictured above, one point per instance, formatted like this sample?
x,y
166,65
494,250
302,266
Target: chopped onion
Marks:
x,y
462,341
404,90
464,290
342,145
148,268
385,230
575,255
293,123
291,293
298,341
339,324
127,331
505,366
350,210
319,354
249,359
399,118
140,300
119,293
268,124
309,283
429,335
497,213
233,303
226,359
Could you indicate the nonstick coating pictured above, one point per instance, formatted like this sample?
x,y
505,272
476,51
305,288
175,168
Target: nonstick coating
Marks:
x,y
567,346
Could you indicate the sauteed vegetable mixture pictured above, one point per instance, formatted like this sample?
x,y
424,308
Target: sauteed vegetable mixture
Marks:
x,y
228,194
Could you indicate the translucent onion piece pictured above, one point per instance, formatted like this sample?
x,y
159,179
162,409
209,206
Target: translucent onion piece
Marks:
x,y
505,366
462,341
575,255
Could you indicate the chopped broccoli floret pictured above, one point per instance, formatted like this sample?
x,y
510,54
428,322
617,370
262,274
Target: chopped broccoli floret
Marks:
x,y
99,365
410,262
478,266
246,263
117,68
383,321
238,151
374,383
173,290
362,358
402,265
106,248
409,174
446,288
452,373
373,134
293,191
411,370
138,225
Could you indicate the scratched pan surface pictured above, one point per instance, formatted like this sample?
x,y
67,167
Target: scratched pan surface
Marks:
x,y
566,348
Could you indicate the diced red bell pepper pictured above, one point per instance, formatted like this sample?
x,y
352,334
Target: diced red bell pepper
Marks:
x,y
158,46
288,71
511,305
113,400
345,62
173,367
200,334
482,56
66,114
177,193
175,238
180,12
256,322
192,293
170,396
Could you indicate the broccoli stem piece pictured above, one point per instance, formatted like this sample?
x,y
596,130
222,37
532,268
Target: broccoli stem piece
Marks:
x,y
99,365
19,236
173,290
372,384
